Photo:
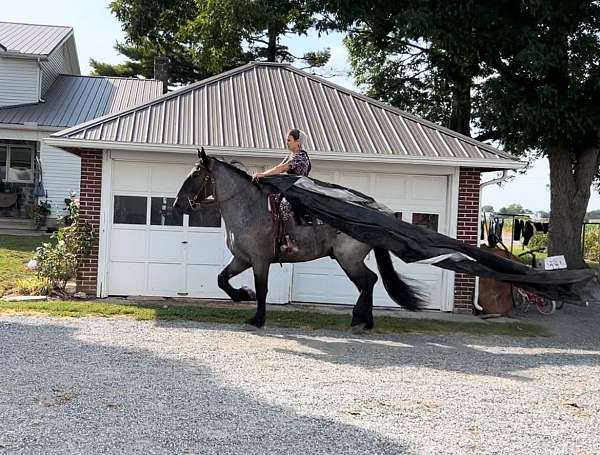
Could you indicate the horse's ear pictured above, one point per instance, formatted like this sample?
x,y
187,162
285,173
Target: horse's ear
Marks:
x,y
203,156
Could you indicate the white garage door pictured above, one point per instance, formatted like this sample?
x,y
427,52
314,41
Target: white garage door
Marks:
x,y
154,252
417,199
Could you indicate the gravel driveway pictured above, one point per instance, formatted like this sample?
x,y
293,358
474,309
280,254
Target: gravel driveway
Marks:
x,y
87,386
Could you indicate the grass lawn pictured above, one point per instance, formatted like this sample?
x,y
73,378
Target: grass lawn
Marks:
x,y
15,251
306,320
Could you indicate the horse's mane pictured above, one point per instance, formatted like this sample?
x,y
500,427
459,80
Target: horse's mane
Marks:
x,y
237,170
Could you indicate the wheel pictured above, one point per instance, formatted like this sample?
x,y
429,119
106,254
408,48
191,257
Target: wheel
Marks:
x,y
546,306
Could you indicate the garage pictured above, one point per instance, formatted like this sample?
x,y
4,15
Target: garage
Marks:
x,y
153,252
133,163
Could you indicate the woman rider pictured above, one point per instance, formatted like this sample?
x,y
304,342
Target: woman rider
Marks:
x,y
297,162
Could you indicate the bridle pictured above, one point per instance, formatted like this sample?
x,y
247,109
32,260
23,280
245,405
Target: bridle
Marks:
x,y
195,204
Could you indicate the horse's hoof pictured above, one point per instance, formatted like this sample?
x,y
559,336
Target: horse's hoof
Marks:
x,y
252,328
359,329
250,294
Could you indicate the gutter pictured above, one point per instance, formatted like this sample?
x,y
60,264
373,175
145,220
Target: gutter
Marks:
x,y
276,153
500,179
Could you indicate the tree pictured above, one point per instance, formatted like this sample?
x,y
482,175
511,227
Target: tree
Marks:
x,y
487,208
205,37
514,209
526,73
544,97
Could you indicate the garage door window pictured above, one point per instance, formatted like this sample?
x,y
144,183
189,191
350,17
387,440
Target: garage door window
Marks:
x,y
130,210
205,217
162,213
427,220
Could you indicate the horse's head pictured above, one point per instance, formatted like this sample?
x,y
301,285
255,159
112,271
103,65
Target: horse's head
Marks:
x,y
198,186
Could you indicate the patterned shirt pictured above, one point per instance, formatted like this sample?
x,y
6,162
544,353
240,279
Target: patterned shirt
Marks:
x,y
298,163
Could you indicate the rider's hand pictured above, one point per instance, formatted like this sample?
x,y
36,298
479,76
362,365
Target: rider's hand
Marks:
x,y
256,176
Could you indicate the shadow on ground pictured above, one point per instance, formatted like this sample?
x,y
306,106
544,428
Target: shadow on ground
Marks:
x,y
63,395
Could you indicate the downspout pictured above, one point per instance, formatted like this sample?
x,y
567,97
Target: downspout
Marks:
x,y
500,179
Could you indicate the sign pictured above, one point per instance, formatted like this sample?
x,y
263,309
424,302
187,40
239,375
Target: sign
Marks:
x,y
555,263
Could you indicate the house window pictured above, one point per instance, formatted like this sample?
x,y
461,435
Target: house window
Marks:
x,y
427,220
162,213
130,210
16,163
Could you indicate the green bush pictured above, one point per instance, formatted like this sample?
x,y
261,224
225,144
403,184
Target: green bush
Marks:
x,y
591,246
33,286
59,261
539,240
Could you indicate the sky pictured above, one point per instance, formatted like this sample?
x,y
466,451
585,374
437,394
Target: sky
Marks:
x,y
96,32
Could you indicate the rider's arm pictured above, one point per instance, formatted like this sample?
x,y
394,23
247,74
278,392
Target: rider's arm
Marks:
x,y
279,169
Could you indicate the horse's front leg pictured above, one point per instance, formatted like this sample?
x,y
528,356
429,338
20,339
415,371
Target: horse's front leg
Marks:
x,y
234,268
261,281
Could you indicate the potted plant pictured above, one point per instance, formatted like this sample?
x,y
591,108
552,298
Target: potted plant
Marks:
x,y
39,213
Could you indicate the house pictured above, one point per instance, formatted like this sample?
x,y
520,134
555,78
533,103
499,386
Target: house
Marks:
x,y
134,161
42,91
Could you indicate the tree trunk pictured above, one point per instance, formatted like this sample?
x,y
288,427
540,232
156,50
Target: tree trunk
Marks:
x,y
460,117
569,196
272,46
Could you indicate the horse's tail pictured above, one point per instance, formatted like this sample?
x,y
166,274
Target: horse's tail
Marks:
x,y
400,292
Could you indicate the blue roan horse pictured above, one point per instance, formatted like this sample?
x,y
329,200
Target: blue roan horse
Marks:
x,y
250,238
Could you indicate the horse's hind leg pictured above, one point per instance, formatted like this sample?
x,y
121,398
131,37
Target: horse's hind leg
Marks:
x,y
352,262
234,268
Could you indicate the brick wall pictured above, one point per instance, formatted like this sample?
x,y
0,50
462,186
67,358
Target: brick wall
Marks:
x,y
468,209
91,187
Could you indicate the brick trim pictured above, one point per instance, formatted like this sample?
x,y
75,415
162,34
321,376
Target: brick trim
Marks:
x,y
89,211
467,220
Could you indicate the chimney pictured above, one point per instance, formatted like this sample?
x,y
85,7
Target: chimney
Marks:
x,y
161,71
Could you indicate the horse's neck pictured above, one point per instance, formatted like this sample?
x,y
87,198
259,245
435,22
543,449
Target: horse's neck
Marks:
x,y
237,196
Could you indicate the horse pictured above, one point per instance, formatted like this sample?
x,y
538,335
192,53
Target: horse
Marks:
x,y
250,236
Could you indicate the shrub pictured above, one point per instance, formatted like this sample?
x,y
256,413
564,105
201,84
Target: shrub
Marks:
x,y
33,286
591,246
59,261
539,240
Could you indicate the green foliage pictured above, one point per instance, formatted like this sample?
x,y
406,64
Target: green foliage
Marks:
x,y
205,37
39,212
591,247
33,285
59,261
15,251
514,209
487,208
539,240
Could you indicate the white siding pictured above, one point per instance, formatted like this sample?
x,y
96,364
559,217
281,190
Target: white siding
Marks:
x,y
51,68
59,62
61,171
19,81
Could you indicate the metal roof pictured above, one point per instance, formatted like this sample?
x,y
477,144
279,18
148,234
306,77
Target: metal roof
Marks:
x,y
75,99
252,107
32,39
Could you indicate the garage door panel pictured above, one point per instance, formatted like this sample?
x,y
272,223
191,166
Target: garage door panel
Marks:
x,y
127,278
324,281
128,176
166,246
429,189
202,282
128,244
166,279
206,248
167,178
